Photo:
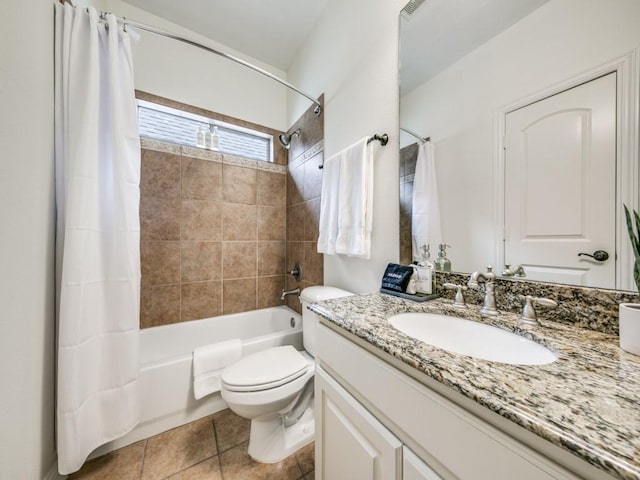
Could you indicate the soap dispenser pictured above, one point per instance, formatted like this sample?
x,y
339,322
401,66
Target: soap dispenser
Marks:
x,y
442,263
424,282
214,139
200,142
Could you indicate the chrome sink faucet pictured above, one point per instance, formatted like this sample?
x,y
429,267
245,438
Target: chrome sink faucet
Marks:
x,y
489,280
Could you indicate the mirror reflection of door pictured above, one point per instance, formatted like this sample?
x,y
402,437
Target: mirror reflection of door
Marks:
x,y
560,179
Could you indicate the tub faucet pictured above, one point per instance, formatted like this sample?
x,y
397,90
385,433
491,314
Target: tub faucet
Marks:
x,y
489,280
295,291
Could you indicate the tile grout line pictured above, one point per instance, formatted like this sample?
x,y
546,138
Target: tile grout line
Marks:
x,y
188,467
215,433
144,455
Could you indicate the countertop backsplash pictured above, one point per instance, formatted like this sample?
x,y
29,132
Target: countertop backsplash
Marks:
x,y
585,307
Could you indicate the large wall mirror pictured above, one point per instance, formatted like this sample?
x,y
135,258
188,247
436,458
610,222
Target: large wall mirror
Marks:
x,y
531,108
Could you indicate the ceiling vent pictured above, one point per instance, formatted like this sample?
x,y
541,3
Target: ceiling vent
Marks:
x,y
410,8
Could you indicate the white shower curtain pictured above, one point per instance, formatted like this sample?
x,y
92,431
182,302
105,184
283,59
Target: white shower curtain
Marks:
x,y
97,158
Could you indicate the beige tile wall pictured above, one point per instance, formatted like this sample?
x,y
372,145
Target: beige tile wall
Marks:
x,y
304,184
213,231
218,232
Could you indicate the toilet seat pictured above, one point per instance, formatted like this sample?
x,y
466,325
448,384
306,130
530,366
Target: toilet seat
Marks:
x,y
265,370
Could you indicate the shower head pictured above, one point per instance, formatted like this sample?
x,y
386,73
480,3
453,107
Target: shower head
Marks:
x,y
285,138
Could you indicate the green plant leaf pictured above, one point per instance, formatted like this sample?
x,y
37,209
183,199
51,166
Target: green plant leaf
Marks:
x,y
637,219
635,243
636,273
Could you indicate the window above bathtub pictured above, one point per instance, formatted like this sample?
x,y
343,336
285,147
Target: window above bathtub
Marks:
x,y
169,124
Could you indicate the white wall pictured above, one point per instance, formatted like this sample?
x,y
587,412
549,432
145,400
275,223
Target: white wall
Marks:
x,y
352,56
457,108
27,321
187,74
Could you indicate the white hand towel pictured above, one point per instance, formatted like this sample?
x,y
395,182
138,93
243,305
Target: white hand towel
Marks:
x,y
355,200
328,224
209,362
425,219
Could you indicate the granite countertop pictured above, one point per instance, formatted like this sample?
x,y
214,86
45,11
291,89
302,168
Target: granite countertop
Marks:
x,y
587,402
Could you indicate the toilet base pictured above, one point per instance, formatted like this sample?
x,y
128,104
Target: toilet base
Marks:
x,y
271,442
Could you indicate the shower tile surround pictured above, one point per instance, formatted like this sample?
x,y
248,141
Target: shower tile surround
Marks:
x,y
304,184
212,240
218,232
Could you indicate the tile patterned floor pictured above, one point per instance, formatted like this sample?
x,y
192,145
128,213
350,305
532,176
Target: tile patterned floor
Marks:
x,y
212,448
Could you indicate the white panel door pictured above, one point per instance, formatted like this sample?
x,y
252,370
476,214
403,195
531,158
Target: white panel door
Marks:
x,y
350,442
560,180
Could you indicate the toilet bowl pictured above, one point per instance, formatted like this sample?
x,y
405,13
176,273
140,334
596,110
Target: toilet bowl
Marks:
x,y
274,388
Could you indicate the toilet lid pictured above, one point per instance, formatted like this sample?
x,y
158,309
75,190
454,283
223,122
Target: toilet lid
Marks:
x,y
266,369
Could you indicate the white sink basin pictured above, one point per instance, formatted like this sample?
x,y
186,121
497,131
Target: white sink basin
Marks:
x,y
466,337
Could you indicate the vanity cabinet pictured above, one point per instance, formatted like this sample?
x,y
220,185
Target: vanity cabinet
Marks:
x,y
413,468
355,445
373,421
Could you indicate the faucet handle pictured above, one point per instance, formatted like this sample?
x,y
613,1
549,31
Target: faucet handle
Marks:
x,y
529,315
459,301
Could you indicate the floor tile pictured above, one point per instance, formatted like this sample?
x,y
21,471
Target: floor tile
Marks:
x,y
306,457
231,429
238,465
122,464
177,449
207,470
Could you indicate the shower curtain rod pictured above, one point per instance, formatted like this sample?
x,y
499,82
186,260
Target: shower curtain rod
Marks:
x,y
163,33
413,134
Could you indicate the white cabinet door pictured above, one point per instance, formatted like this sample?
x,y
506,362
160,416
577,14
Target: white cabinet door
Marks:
x,y
415,469
560,185
350,443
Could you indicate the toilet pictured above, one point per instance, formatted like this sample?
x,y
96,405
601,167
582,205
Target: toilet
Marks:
x,y
274,388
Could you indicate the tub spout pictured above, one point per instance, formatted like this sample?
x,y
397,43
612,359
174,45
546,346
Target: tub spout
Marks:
x,y
295,291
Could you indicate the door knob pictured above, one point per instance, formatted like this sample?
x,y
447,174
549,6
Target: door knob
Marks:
x,y
598,255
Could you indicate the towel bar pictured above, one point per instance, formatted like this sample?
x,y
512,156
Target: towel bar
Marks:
x,y
383,139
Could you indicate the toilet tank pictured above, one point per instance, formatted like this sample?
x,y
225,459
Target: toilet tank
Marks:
x,y
309,319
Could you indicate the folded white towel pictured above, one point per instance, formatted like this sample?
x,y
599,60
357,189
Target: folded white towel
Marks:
x,y
209,362
355,200
328,224
425,218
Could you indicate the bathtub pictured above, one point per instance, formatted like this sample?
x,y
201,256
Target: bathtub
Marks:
x,y
166,375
